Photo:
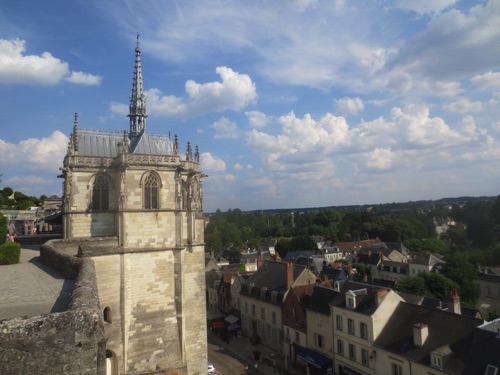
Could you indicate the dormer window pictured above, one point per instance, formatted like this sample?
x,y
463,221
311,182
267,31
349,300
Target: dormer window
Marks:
x,y
336,286
350,299
274,296
491,370
436,361
263,291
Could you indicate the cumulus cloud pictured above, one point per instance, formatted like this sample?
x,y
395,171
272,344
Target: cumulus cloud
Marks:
x,y
380,158
211,163
489,80
18,68
36,153
463,105
257,119
422,130
224,128
349,106
234,92
84,79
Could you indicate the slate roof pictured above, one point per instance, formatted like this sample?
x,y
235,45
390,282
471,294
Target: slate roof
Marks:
x,y
365,297
320,299
445,328
293,255
334,274
482,350
102,143
315,264
236,256
272,275
428,260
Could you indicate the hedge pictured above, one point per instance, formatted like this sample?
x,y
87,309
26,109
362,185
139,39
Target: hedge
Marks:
x,y
10,252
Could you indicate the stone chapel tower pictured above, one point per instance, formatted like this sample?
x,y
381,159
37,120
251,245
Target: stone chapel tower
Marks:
x,y
136,205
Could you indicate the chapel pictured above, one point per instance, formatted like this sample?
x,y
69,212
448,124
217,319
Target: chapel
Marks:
x,y
136,207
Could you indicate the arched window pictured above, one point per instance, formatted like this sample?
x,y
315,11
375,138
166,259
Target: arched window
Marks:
x,y
100,193
151,191
107,314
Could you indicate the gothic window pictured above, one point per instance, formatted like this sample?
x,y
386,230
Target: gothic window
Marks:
x,y
151,191
100,193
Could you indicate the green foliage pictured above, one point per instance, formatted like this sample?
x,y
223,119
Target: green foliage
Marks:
x,y
3,228
413,285
10,252
432,245
460,270
362,269
427,284
284,245
8,191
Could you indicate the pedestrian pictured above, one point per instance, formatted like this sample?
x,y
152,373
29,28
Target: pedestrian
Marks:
x,y
12,236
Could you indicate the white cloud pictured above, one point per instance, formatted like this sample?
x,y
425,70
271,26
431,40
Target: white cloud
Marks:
x,y
425,7
257,119
233,93
349,106
164,105
16,67
463,105
380,158
225,129
485,81
455,45
119,108
84,79
421,130
211,163
238,167
36,153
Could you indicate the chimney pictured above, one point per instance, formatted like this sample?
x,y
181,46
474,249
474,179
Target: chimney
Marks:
x,y
379,296
259,260
289,274
420,334
455,300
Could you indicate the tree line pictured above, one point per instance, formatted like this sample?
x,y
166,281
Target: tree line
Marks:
x,y
471,235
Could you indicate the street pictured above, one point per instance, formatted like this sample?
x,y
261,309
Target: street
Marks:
x,y
223,361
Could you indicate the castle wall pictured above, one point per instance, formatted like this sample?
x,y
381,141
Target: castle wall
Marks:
x,y
70,342
140,290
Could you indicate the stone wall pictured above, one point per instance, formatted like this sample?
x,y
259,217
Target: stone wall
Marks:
x,y
71,342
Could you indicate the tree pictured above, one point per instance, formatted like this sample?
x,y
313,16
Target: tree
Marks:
x,y
412,285
460,270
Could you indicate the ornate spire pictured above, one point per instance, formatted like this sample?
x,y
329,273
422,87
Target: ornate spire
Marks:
x,y
137,108
73,141
197,155
189,153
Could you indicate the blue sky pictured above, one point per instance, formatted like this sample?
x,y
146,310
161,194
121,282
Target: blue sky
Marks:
x,y
293,103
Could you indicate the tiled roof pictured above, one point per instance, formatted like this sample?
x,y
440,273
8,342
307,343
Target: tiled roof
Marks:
x,y
349,247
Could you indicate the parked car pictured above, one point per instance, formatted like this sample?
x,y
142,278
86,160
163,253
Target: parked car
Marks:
x,y
211,369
